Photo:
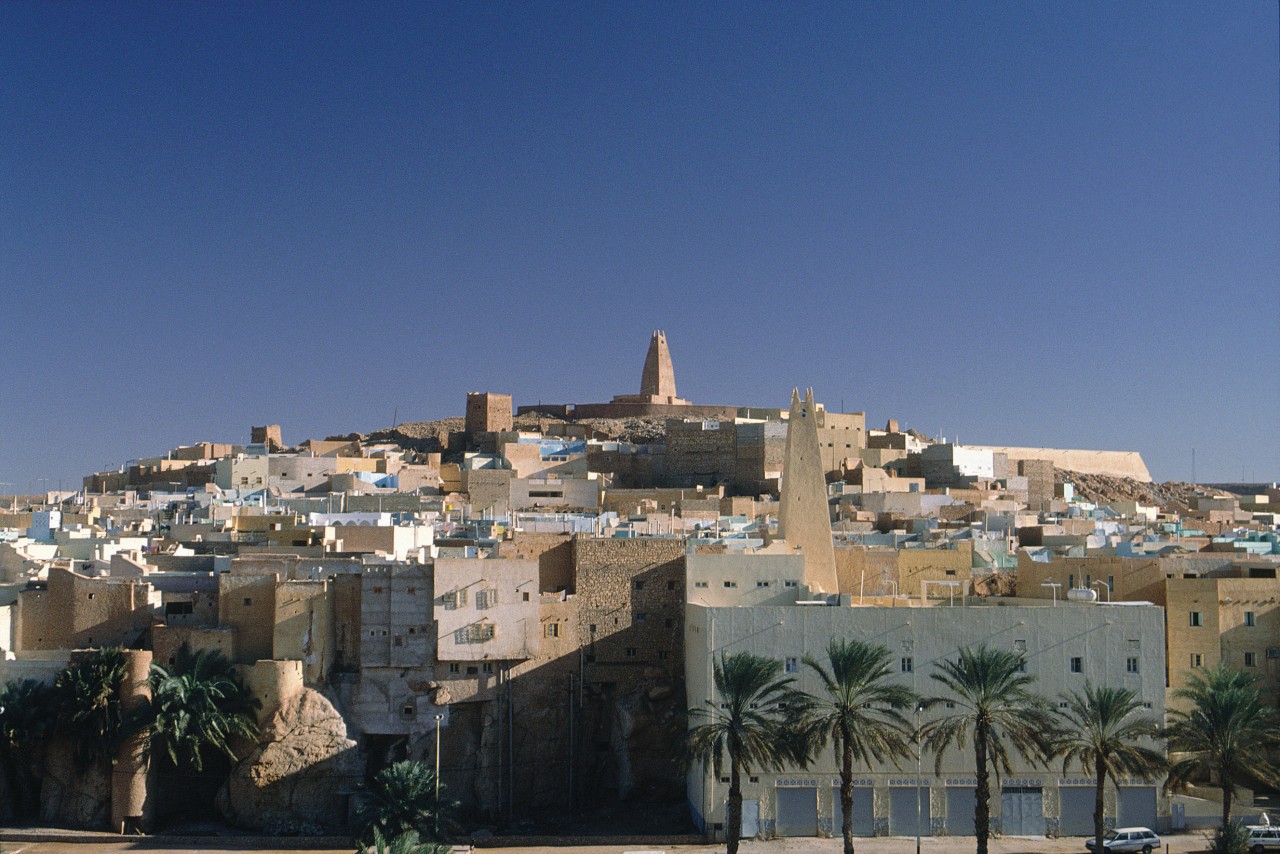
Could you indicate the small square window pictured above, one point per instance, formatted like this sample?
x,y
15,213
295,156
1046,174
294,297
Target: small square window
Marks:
x,y
377,589
1249,619
90,595
631,652
592,628
701,585
906,664
1250,659
1131,664
791,664
1196,619
1196,659
1077,664
525,596
407,711
488,667
762,584
455,668
790,584
731,584
248,601
552,630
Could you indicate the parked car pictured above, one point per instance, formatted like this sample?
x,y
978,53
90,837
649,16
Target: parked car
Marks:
x,y
1128,839
1264,838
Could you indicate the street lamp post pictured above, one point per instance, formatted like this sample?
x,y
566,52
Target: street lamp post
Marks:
x,y
436,811
919,760
1106,586
1055,585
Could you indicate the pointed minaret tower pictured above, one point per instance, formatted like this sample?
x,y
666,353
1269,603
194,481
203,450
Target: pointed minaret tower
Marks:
x,y
659,377
804,519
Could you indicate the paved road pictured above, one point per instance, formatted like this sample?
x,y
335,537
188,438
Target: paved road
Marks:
x,y
1179,844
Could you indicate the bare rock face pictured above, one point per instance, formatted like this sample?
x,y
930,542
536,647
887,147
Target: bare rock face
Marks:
x,y
70,796
297,778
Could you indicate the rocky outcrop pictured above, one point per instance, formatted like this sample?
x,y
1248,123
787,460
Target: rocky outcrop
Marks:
x,y
71,796
299,776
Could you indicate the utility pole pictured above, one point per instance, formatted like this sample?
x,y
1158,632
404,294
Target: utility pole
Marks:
x,y
436,811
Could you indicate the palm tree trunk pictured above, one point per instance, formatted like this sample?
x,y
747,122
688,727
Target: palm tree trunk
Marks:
x,y
733,814
1227,787
1100,773
846,794
982,809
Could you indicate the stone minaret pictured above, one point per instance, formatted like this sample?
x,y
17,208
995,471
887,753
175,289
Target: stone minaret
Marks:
x,y
659,377
804,519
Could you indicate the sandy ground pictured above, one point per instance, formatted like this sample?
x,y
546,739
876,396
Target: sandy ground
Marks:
x,y
1175,844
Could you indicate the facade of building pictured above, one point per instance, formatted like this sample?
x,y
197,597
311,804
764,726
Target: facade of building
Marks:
x,y
1065,648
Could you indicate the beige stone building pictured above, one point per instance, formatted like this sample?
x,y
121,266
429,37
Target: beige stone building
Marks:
x,y
74,611
1235,621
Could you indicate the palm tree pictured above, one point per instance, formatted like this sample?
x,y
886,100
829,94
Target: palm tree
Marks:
x,y
1103,728
403,797
994,704
1228,733
750,724
26,716
87,698
405,843
859,714
198,709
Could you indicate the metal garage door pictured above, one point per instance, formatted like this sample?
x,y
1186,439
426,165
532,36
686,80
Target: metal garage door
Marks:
x,y
1022,811
864,823
750,819
1136,806
1076,815
797,812
902,811
962,802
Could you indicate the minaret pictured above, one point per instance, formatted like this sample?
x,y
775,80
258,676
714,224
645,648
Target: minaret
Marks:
x,y
659,377
804,518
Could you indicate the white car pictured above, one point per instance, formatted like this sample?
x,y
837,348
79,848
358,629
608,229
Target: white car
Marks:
x,y
1128,839
1264,838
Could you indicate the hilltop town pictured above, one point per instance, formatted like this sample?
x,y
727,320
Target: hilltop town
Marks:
x,y
533,597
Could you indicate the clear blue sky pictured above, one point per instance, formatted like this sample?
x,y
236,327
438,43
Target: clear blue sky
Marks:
x,y
1052,223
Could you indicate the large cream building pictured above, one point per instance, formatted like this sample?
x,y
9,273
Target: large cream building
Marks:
x,y
1065,645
